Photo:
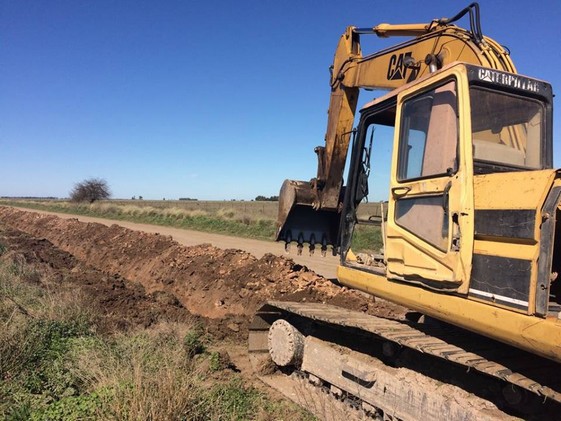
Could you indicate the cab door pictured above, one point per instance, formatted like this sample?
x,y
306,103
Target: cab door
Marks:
x,y
430,214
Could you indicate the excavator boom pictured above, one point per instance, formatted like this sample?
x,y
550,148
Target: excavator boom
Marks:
x,y
309,211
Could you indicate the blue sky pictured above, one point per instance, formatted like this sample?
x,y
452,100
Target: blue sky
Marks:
x,y
205,99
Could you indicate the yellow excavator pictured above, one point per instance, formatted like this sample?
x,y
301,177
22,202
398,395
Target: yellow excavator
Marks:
x,y
468,238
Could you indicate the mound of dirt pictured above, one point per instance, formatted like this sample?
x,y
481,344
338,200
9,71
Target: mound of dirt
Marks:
x,y
120,304
206,280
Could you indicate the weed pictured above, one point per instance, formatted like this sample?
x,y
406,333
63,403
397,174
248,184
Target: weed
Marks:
x,y
224,213
231,398
220,360
21,412
148,372
193,343
37,333
41,361
87,406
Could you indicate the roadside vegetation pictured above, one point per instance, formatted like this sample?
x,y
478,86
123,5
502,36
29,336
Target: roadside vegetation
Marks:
x,y
55,364
242,220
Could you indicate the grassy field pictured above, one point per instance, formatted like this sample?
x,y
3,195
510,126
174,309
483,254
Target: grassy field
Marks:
x,y
54,365
250,209
236,218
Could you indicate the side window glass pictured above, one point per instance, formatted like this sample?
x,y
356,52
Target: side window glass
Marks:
x,y
507,130
372,189
429,134
415,151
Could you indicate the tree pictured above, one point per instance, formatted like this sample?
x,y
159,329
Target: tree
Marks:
x,y
90,190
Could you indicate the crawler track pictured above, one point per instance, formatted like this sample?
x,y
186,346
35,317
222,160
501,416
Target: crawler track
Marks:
x,y
517,383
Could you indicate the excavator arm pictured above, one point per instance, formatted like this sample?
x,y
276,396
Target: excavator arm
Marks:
x,y
309,212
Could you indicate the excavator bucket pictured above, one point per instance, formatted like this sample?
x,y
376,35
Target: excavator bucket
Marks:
x,y
298,220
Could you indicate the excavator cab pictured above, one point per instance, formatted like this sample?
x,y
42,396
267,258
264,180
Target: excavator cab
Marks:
x,y
310,212
465,140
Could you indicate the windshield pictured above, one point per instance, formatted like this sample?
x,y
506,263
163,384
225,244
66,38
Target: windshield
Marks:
x,y
507,129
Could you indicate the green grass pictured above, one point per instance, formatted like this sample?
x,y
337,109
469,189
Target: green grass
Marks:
x,y
55,366
367,239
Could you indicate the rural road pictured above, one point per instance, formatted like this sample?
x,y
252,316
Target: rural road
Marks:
x,y
325,266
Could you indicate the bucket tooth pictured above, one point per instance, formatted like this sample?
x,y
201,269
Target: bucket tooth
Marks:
x,y
300,245
287,241
323,246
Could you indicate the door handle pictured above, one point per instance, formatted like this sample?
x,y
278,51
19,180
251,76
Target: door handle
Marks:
x,y
400,191
445,197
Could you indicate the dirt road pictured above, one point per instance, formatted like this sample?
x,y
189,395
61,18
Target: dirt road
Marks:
x,y
324,266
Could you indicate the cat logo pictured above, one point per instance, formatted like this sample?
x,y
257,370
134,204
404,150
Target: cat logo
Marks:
x,y
399,64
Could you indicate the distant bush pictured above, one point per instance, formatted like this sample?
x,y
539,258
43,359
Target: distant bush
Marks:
x,y
90,190
187,198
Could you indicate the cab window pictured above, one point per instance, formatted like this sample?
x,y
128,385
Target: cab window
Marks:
x,y
429,134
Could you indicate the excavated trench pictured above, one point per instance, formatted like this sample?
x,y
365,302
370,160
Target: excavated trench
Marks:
x,y
139,278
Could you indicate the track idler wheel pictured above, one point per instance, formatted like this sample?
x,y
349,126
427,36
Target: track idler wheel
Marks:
x,y
286,344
